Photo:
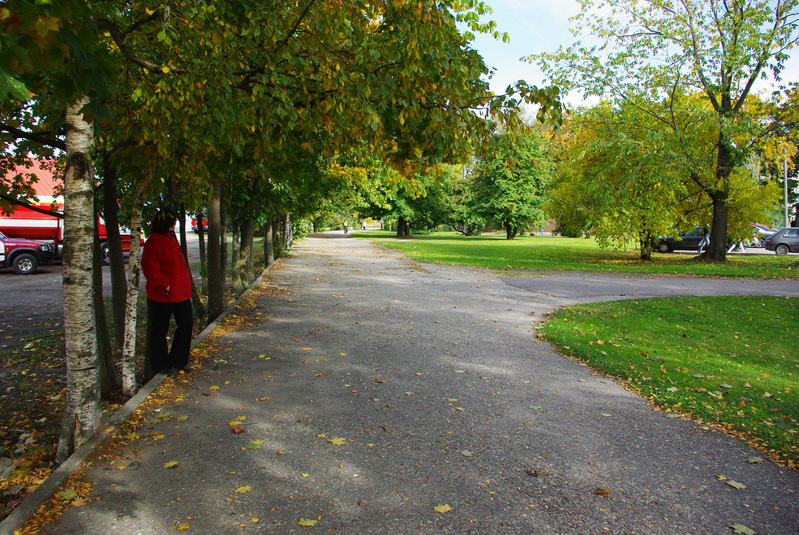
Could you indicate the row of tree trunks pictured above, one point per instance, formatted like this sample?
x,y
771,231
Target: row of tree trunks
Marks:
x,y
90,358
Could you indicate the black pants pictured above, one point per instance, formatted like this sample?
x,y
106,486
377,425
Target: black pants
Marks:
x,y
158,316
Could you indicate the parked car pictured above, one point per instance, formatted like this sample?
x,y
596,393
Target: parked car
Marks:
x,y
194,226
784,241
759,234
687,241
25,255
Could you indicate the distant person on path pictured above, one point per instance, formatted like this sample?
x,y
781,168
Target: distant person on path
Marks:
x,y
540,231
346,227
363,225
168,294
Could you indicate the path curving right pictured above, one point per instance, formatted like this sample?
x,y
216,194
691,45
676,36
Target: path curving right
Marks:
x,y
388,396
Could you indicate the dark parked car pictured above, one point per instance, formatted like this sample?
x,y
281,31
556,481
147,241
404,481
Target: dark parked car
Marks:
x,y
688,241
24,255
784,241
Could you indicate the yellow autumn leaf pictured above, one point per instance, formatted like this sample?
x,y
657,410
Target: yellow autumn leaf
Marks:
x,y
164,69
242,490
443,509
213,388
306,522
255,520
338,441
241,418
180,526
67,494
170,464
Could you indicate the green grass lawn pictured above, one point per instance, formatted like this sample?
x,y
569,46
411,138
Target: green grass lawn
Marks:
x,y
574,254
730,362
726,361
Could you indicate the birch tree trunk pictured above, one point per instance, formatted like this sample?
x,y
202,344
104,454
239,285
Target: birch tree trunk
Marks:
x,y
129,383
288,234
81,418
269,243
236,264
247,235
106,372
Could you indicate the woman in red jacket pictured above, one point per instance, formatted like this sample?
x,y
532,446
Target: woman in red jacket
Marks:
x,y
168,294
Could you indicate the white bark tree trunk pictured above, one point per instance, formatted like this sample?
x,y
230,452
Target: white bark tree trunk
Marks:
x,y
129,384
81,419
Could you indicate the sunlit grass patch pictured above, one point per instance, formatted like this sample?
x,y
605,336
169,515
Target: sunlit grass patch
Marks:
x,y
726,361
574,254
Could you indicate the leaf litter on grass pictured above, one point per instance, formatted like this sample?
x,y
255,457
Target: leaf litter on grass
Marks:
x,y
705,357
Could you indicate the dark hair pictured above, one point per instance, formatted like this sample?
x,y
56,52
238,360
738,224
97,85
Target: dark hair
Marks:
x,y
162,221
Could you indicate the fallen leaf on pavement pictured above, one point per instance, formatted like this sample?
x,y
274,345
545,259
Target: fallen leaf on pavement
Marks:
x,y
442,508
67,494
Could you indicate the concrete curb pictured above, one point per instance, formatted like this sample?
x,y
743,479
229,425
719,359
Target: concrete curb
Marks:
x,y
23,512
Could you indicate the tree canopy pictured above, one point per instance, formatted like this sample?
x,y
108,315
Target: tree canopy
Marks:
x,y
659,56
189,100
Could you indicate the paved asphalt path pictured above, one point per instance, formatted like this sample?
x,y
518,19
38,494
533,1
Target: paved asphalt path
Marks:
x,y
374,390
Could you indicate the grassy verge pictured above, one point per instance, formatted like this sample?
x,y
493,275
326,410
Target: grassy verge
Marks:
x,y
574,254
725,361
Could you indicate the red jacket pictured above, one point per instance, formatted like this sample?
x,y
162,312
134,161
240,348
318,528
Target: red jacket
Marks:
x,y
163,264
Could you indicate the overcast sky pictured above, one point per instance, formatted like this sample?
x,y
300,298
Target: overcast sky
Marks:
x,y
539,26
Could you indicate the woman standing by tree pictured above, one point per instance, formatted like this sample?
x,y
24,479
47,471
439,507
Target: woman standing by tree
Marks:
x,y
168,294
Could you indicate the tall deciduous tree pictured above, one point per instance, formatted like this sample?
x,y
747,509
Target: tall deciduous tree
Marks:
x,y
618,175
653,53
81,416
508,184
